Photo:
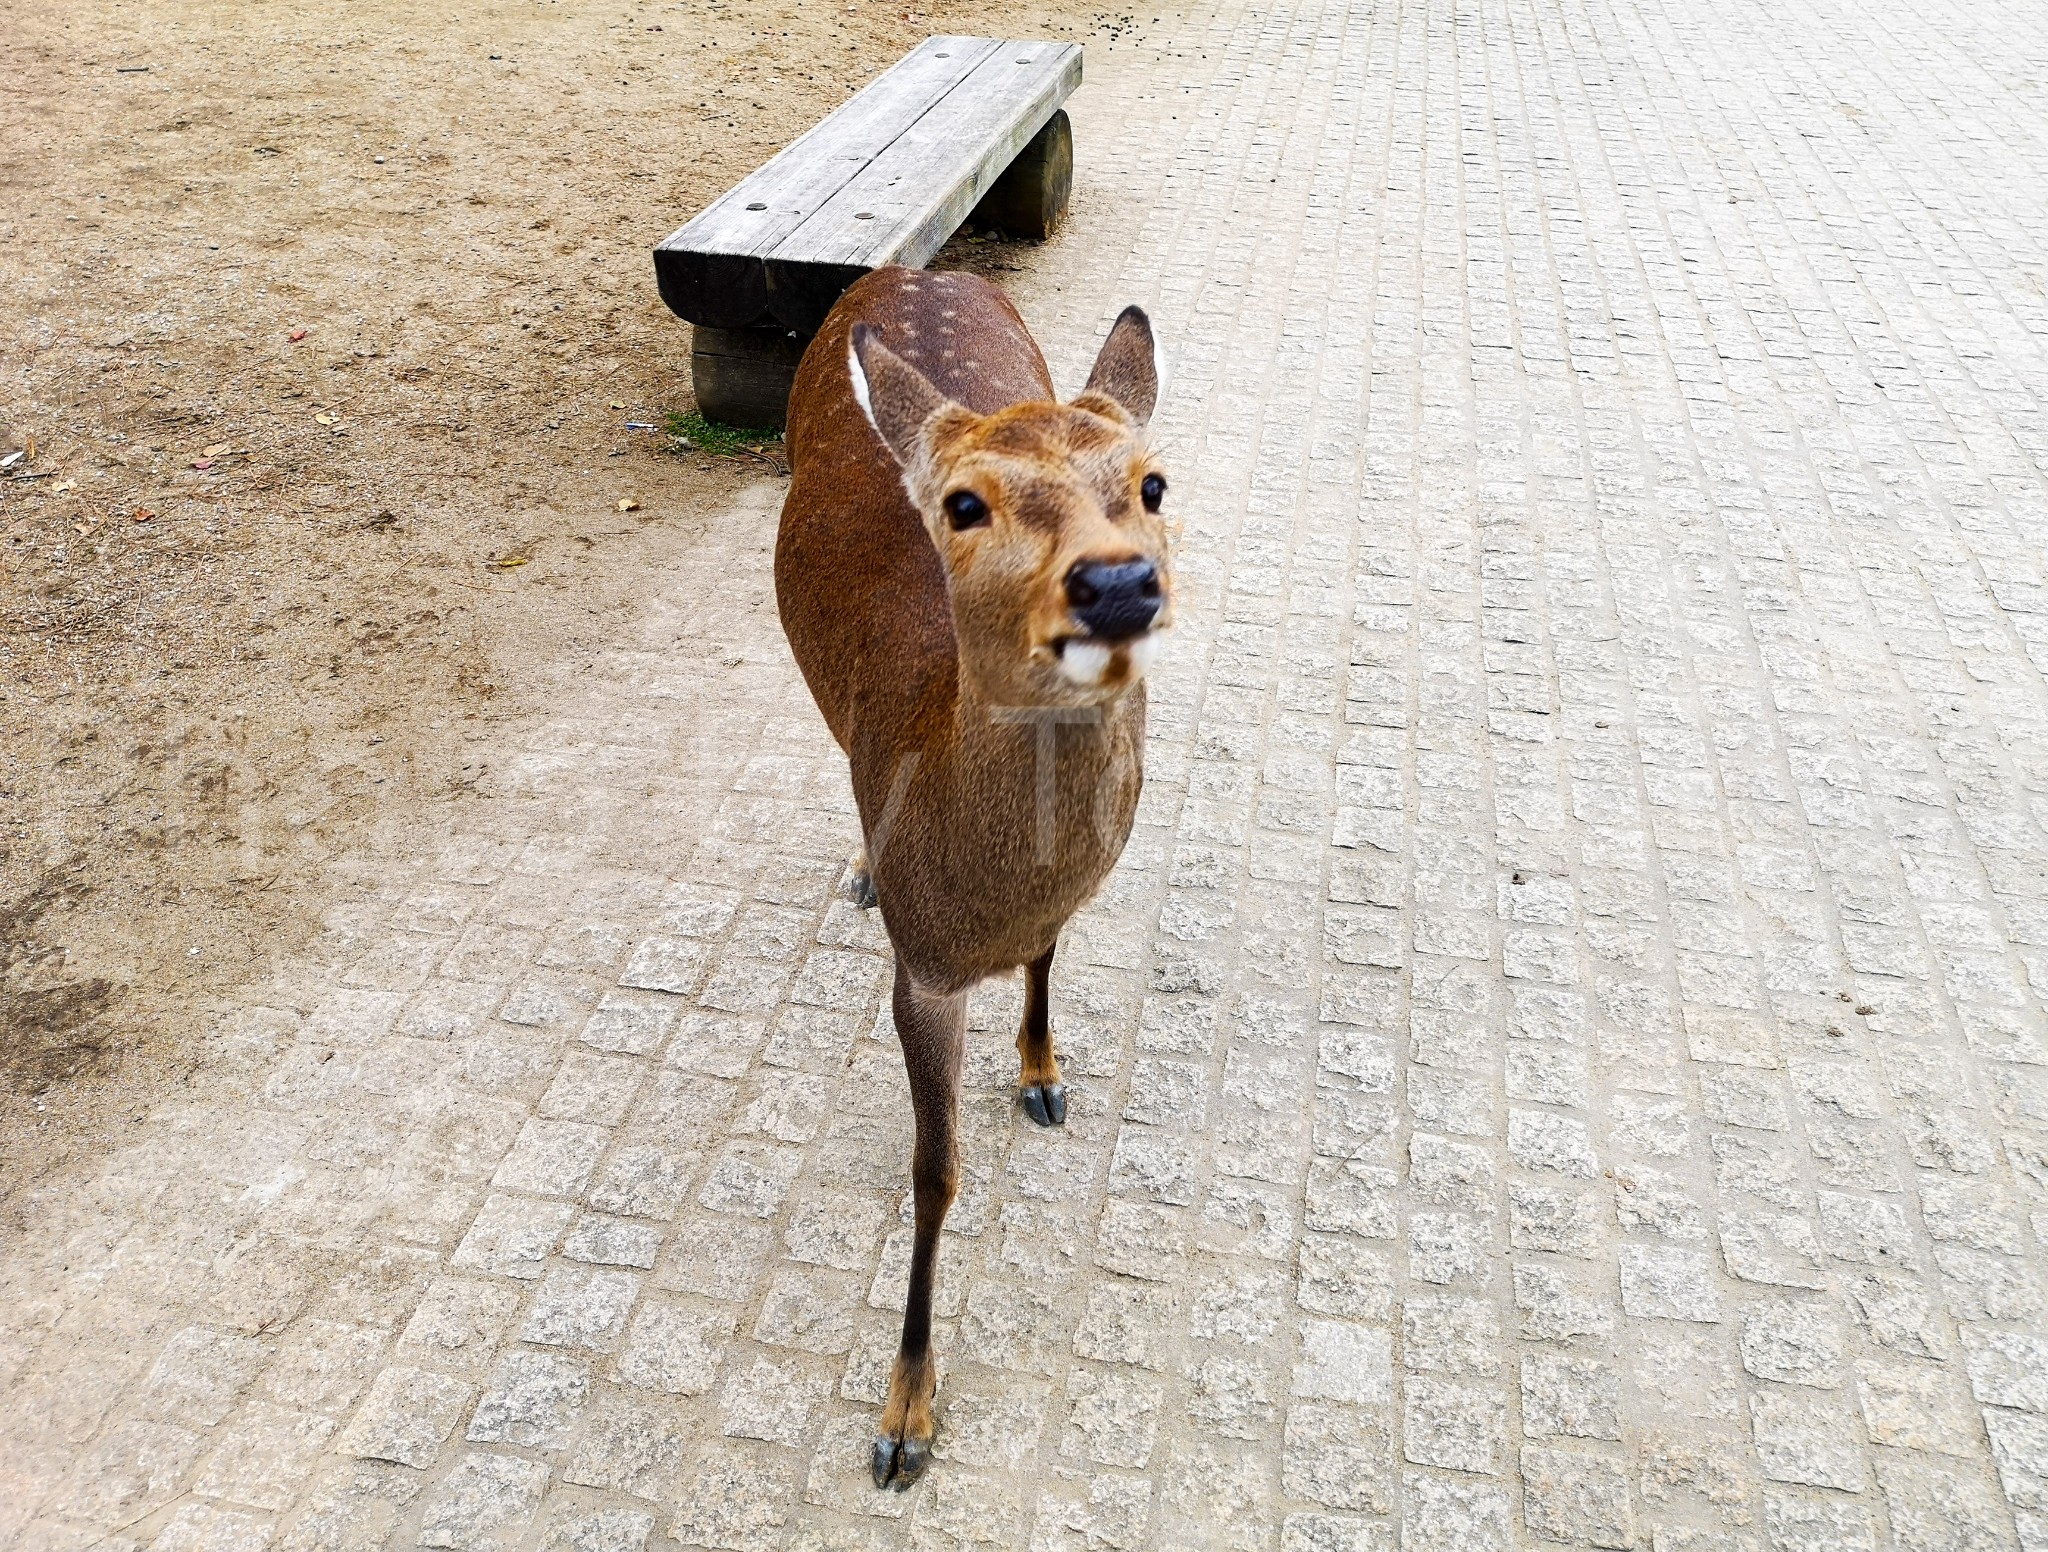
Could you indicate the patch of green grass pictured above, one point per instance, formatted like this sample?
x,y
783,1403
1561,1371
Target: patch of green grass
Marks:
x,y
718,439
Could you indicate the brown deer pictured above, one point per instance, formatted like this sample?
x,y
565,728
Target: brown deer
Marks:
x,y
972,576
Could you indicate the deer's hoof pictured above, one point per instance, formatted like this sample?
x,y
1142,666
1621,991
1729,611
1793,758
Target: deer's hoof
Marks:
x,y
860,889
900,1462
1046,1103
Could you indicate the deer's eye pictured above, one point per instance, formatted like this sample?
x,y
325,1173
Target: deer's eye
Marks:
x,y
964,509
1152,491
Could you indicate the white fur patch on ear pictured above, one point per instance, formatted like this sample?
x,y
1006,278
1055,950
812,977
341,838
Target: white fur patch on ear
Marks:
x,y
1083,662
861,395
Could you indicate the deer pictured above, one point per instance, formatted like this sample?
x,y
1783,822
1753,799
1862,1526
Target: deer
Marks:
x,y
973,578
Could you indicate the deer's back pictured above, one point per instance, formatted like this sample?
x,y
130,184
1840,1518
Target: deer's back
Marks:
x,y
860,589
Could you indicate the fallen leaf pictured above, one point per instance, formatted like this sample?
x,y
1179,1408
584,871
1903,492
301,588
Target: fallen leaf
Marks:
x,y
323,420
507,562
629,505
214,451
202,463
61,486
618,404
296,335
141,515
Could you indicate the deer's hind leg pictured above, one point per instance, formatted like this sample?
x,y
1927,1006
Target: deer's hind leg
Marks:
x,y
933,1029
1038,1080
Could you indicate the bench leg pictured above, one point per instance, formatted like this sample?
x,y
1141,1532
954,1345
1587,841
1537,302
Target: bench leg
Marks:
x,y
1030,198
743,376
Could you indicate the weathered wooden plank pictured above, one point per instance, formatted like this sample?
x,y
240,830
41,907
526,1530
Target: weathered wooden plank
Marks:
x,y
965,139
902,206
709,270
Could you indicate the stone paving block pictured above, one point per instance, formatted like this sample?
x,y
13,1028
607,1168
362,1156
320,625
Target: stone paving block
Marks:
x,y
264,1457
1449,1515
714,1044
1344,1361
1805,1524
2007,1368
551,1158
131,1469
770,1400
1231,1396
1554,1307
1667,1283
1446,1423
1113,1419
207,1528
609,1241
1684,1465
1449,1335
998,1424
839,1479
629,1444
1934,1508
1811,1441
1685,1371
1652,1202
1577,1397
581,1308
1915,1406
1796,1342
486,1501
1570,1495
512,1236
1448,1247
667,965
750,1178
572,1528
533,1400
1333,1533
1985,1287
458,1325
200,1373
324,1365
590,1088
405,1417
809,1309
1337,1456
1773,1248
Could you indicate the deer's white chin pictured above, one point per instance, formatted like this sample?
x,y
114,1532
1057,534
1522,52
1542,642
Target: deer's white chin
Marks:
x,y
1099,665
1083,663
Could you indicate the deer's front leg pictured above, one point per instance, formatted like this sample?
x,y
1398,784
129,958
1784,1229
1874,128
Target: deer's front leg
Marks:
x,y
933,1029
1038,1078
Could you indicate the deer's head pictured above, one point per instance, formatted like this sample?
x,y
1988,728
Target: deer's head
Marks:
x,y
1047,519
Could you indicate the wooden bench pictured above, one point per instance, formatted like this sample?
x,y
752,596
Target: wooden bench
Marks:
x,y
959,128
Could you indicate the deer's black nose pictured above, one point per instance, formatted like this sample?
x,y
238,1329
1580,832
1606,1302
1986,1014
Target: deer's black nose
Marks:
x,y
1117,601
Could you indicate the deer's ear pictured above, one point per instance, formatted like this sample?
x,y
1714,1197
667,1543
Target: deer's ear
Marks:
x,y
898,399
1127,367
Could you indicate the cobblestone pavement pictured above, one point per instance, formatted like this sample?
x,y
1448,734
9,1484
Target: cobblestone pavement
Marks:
x,y
1562,1060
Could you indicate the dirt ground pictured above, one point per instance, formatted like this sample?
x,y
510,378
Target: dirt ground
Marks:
x,y
320,332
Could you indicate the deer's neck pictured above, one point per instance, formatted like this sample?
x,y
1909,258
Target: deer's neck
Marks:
x,y
1002,827
1042,787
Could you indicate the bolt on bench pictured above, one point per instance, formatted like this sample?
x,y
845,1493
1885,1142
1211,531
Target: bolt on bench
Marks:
x,y
958,129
